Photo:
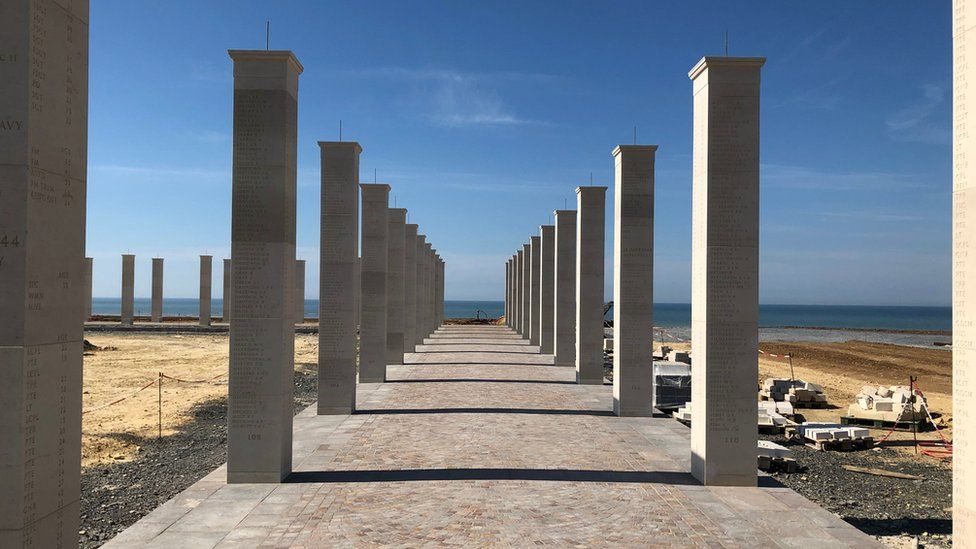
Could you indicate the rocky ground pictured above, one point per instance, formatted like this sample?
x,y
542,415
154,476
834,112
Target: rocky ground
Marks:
x,y
116,495
890,508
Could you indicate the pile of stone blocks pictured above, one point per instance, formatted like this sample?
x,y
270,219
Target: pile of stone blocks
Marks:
x,y
679,356
672,385
661,353
775,457
683,414
799,393
772,416
608,345
834,436
888,405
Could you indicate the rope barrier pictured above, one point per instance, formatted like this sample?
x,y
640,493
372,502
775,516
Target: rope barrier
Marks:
x,y
150,384
114,402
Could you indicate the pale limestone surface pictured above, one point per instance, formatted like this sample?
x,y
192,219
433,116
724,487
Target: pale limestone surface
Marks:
x,y
439,291
564,300
591,205
206,289
519,283
508,289
633,279
299,291
535,269
128,288
421,313
43,166
429,289
262,334
547,287
410,288
526,287
228,282
479,445
725,269
372,329
395,285
338,276
88,288
156,311
963,275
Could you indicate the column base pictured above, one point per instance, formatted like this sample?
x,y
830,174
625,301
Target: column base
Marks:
x,y
647,411
335,411
588,381
372,380
256,477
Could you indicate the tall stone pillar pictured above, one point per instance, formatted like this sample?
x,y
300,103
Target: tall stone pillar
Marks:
x,y
633,272
262,334
358,293
299,291
409,288
421,312
535,266
156,314
963,275
88,288
395,285
440,292
206,289
372,344
517,305
526,299
508,293
128,288
725,270
338,276
590,237
43,166
225,301
547,288
429,290
564,317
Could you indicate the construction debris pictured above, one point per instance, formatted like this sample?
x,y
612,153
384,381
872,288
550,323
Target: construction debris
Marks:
x,y
880,472
774,457
799,393
672,385
834,436
680,356
683,414
661,353
894,404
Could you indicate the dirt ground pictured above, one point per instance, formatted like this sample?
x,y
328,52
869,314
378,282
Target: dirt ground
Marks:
x,y
127,362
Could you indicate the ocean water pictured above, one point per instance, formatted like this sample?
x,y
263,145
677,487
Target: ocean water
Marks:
x,y
668,315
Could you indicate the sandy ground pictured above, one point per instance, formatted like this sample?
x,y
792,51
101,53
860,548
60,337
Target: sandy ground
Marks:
x,y
130,361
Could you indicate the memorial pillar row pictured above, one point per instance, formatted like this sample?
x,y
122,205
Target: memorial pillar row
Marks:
x,y
963,275
206,284
517,303
526,298
262,334
156,314
128,288
633,272
590,247
725,270
395,285
372,330
421,318
338,276
535,266
547,288
43,167
410,288
564,316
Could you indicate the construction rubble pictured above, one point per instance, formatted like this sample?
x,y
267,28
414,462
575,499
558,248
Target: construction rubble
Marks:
x,y
888,404
799,393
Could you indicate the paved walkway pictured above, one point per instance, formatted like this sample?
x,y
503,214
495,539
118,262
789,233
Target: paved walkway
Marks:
x,y
480,441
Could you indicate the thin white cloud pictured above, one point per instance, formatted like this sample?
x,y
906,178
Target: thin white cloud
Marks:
x,y
915,123
801,177
862,215
152,174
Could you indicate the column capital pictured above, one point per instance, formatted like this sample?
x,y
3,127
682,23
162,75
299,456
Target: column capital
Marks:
x,y
286,56
341,145
709,62
591,190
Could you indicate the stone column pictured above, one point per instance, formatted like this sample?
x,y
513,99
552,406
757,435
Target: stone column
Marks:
x,y
429,290
206,285
395,285
43,165
420,318
338,276
299,291
440,292
547,288
633,272
88,288
262,334
590,237
508,293
963,276
225,302
564,317
517,304
526,290
157,290
725,270
372,331
358,293
410,288
535,266
128,288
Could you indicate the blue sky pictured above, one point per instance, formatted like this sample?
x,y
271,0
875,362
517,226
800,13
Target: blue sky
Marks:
x,y
484,117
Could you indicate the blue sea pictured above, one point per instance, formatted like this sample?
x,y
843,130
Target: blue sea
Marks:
x,y
668,315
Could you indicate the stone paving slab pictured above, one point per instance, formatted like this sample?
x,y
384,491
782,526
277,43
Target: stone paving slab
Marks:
x,y
482,447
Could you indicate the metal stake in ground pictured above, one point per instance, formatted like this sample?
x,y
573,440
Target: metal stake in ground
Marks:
x,y
911,402
159,401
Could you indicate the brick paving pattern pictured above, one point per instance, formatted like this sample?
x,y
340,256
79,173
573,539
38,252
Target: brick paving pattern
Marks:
x,y
479,440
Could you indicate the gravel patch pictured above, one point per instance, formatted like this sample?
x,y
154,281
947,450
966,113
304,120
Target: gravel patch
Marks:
x,y
881,506
116,495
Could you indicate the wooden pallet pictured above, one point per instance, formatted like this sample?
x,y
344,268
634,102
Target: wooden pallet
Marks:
x,y
843,445
907,426
772,464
